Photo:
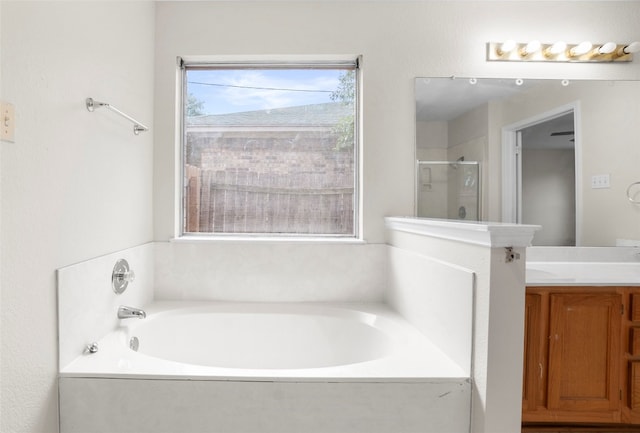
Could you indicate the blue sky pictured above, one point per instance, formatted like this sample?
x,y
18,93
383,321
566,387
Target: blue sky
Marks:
x,y
236,90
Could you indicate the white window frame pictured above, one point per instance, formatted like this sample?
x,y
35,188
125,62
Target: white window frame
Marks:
x,y
305,61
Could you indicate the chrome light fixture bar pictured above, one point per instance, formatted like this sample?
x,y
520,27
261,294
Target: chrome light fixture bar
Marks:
x,y
137,126
583,52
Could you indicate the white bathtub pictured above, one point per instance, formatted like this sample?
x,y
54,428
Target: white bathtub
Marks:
x,y
262,367
259,336
263,340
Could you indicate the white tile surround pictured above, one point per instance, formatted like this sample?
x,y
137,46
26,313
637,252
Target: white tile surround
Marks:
x,y
435,297
87,305
270,271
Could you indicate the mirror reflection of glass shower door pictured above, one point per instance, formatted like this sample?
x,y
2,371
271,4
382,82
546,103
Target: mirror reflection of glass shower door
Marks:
x,y
448,189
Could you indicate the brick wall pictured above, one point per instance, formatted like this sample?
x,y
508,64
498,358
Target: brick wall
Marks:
x,y
293,182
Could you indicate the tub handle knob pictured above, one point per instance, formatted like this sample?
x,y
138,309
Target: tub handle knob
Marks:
x,y
121,276
126,277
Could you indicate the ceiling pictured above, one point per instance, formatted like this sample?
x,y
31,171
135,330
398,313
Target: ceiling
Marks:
x,y
438,100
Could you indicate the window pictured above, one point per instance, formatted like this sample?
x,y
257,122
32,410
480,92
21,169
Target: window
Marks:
x,y
270,149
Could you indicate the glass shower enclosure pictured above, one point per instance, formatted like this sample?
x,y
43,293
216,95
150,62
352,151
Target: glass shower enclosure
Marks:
x,y
448,189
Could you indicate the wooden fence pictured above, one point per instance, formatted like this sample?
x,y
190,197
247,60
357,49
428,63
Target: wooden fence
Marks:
x,y
240,201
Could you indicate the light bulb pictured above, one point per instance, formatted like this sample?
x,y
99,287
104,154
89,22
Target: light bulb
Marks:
x,y
633,47
607,48
506,47
530,48
555,49
580,49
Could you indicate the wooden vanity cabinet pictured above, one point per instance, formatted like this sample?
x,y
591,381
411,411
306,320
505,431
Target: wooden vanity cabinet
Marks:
x,y
631,361
573,355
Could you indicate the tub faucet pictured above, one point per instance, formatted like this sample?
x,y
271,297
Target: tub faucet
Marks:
x,y
127,312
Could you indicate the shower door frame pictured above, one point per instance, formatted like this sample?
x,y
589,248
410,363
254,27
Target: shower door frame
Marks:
x,y
445,162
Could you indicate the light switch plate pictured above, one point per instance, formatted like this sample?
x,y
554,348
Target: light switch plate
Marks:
x,y
600,181
7,122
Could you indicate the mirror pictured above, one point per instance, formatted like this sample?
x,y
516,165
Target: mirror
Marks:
x,y
564,154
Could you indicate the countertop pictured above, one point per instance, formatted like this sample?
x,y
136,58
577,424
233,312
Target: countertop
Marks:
x,y
557,273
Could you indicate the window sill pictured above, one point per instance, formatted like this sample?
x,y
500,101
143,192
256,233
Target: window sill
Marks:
x,y
267,239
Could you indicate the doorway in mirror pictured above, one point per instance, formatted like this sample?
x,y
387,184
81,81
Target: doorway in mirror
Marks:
x,y
547,179
540,178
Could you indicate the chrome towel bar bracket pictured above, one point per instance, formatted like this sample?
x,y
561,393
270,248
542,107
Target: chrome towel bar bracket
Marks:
x,y
630,197
93,104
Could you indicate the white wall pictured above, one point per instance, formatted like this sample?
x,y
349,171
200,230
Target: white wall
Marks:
x,y
431,136
468,128
75,184
548,195
419,39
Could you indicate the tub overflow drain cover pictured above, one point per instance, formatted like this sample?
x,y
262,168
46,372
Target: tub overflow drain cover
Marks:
x,y
134,343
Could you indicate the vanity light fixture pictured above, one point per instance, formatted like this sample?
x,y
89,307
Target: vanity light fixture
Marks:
x,y
559,51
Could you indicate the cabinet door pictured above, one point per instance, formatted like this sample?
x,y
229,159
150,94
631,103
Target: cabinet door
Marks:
x,y
584,352
534,371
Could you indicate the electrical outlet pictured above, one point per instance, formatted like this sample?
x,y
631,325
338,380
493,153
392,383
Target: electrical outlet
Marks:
x,y
600,181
